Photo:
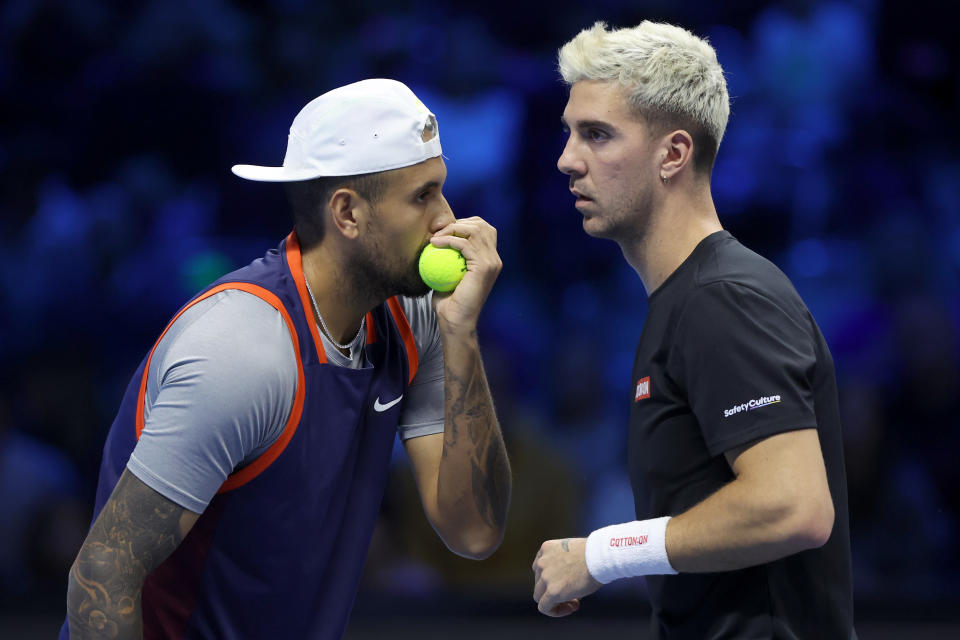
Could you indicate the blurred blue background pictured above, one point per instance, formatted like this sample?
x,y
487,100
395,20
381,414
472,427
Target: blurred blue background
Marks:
x,y
118,125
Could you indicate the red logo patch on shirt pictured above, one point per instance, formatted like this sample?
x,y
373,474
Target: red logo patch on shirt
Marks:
x,y
643,389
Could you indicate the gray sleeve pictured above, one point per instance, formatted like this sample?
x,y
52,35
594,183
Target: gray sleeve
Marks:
x,y
221,386
423,411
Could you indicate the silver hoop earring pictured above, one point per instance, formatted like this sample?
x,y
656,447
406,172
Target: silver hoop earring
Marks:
x,y
664,178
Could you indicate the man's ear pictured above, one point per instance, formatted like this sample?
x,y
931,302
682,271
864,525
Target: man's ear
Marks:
x,y
678,153
346,209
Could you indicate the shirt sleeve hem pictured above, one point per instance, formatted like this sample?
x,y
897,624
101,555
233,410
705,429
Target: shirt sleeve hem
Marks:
x,y
416,431
765,430
164,488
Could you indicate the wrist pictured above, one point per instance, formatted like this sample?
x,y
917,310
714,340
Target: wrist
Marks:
x,y
456,330
637,548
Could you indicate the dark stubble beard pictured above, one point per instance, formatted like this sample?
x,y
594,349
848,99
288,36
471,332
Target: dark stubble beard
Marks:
x,y
379,276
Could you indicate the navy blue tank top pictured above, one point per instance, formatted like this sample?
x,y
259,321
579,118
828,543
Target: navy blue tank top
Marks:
x,y
279,551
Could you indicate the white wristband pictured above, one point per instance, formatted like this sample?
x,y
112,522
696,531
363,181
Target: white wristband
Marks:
x,y
637,548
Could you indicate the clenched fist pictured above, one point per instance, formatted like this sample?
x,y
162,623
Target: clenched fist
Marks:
x,y
560,576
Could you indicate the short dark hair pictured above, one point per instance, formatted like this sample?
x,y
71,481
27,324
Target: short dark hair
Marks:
x,y
309,198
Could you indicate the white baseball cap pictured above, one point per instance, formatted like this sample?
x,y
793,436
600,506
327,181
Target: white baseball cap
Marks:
x,y
364,127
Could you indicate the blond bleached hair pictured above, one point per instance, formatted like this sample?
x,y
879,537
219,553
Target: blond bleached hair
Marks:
x,y
671,77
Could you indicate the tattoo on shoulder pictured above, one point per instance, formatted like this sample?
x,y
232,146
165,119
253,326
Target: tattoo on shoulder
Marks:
x,y
565,543
136,531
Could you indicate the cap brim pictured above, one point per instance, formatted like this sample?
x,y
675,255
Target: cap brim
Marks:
x,y
272,174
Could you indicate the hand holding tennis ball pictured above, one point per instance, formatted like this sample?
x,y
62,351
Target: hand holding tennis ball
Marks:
x,y
458,308
442,268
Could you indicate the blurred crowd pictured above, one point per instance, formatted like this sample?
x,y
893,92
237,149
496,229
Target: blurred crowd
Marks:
x,y
119,122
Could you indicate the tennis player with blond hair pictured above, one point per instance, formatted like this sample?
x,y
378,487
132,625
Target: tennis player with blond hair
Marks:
x,y
734,449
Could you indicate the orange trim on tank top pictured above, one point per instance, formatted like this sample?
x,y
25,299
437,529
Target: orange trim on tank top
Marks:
x,y
296,269
266,458
403,326
295,261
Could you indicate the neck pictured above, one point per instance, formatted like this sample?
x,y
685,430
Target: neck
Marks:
x,y
341,304
678,223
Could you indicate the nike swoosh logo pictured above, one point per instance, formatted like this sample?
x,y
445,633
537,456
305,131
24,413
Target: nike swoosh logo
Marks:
x,y
383,407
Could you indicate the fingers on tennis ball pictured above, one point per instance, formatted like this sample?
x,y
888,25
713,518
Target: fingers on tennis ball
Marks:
x,y
442,268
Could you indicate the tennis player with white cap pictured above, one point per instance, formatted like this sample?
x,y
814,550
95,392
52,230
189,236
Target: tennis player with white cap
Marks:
x,y
243,474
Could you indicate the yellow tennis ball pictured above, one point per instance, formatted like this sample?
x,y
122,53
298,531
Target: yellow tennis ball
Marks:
x,y
442,268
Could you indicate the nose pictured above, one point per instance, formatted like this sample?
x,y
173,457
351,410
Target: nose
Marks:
x,y
443,216
569,162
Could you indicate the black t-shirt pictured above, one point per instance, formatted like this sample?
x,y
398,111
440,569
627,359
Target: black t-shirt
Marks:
x,y
729,354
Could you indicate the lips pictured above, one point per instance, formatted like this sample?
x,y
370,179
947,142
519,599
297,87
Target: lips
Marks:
x,y
580,197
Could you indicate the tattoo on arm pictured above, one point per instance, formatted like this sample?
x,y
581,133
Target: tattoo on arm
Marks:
x,y
565,543
491,484
135,532
471,407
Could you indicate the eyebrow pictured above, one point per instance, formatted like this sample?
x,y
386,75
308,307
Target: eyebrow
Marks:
x,y
430,184
581,124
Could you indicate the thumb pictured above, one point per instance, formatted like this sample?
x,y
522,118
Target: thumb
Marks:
x,y
566,608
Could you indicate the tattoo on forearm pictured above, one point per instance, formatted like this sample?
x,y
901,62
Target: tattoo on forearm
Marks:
x,y
471,407
134,533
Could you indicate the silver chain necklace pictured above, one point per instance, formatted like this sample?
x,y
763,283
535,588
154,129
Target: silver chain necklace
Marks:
x,y
342,347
